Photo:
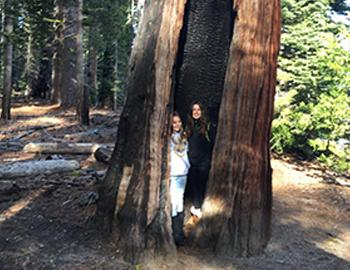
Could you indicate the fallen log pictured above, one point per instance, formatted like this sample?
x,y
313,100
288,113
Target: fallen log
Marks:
x,y
103,154
28,168
61,148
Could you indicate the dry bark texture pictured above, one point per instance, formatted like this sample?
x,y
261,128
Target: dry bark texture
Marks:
x,y
143,223
237,209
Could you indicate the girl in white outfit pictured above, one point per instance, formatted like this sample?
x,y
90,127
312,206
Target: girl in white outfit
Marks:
x,y
179,166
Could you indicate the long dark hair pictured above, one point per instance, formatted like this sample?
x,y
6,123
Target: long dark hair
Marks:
x,y
202,120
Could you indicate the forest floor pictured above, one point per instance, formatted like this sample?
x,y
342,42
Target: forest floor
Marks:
x,y
44,219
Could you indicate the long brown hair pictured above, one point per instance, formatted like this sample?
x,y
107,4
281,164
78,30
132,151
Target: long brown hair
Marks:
x,y
202,120
182,131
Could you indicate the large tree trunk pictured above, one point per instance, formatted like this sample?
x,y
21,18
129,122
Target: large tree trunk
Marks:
x,y
237,211
83,104
143,223
7,90
226,57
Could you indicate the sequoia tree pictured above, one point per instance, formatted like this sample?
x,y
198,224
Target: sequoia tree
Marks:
x,y
224,54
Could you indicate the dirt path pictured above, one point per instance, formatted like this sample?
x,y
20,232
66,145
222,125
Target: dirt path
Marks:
x,y
43,219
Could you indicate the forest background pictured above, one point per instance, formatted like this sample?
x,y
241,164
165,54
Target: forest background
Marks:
x,y
312,104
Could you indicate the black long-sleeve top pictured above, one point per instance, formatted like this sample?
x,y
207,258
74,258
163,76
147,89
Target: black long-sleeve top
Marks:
x,y
201,145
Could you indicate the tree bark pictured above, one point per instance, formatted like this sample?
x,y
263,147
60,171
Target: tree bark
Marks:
x,y
105,94
7,90
20,169
237,210
83,104
92,63
30,72
57,57
69,70
143,226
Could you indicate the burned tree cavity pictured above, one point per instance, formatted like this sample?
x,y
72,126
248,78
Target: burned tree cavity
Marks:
x,y
203,54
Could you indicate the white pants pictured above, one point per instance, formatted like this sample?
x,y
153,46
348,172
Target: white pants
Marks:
x,y
177,190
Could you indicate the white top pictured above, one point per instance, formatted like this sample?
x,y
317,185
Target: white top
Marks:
x,y
179,163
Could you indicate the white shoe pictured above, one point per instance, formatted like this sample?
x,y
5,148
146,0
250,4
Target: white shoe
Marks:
x,y
196,212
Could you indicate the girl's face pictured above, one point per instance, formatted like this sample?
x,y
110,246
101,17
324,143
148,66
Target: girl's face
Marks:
x,y
177,124
196,111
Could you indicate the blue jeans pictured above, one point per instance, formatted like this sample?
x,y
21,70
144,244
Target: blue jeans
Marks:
x,y
177,190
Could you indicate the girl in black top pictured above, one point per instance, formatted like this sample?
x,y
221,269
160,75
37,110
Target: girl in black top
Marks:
x,y
201,136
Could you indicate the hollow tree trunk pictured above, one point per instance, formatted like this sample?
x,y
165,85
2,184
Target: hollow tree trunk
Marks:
x,y
237,209
241,77
143,223
8,55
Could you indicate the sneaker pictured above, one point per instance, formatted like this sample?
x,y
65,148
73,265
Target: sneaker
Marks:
x,y
196,212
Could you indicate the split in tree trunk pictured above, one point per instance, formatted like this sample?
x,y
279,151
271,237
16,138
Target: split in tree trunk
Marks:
x,y
226,57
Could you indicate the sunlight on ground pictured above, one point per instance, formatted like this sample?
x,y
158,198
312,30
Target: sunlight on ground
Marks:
x,y
19,205
285,173
43,120
331,245
34,110
14,157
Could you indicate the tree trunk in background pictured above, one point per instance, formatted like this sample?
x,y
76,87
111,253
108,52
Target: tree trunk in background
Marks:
x,y
83,104
69,57
8,55
237,210
108,77
143,223
57,57
92,63
30,73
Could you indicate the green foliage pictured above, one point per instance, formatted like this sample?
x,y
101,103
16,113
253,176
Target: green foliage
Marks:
x,y
109,31
312,103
